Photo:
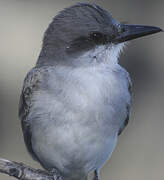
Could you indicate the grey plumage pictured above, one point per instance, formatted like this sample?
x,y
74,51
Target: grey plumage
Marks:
x,y
76,100
69,32
31,85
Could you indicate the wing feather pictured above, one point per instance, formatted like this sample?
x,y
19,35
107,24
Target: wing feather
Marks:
x,y
126,121
31,85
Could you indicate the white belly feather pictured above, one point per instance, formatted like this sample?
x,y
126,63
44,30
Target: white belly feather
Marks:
x,y
83,118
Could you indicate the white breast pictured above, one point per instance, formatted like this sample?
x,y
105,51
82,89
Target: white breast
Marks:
x,y
77,127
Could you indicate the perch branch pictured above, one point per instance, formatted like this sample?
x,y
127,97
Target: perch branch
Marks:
x,y
23,172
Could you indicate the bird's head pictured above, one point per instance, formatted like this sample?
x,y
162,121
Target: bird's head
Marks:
x,y
84,33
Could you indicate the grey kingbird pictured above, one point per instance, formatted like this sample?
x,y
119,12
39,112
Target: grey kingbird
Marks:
x,y
76,101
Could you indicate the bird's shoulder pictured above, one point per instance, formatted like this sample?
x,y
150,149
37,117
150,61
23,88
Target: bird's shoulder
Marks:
x,y
125,75
31,84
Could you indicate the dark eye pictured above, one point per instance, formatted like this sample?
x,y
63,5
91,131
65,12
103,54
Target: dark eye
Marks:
x,y
97,37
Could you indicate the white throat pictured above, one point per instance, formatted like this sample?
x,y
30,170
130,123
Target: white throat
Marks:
x,y
106,54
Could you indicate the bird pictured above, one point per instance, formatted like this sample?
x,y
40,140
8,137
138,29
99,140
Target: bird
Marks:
x,y
76,101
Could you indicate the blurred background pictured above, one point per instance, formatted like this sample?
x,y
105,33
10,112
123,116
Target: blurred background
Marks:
x,y
139,153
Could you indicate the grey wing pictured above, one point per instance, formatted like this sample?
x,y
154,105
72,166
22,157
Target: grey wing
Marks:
x,y
31,84
126,121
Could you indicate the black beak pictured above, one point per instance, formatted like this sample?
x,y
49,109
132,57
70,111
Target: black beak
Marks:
x,y
129,32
